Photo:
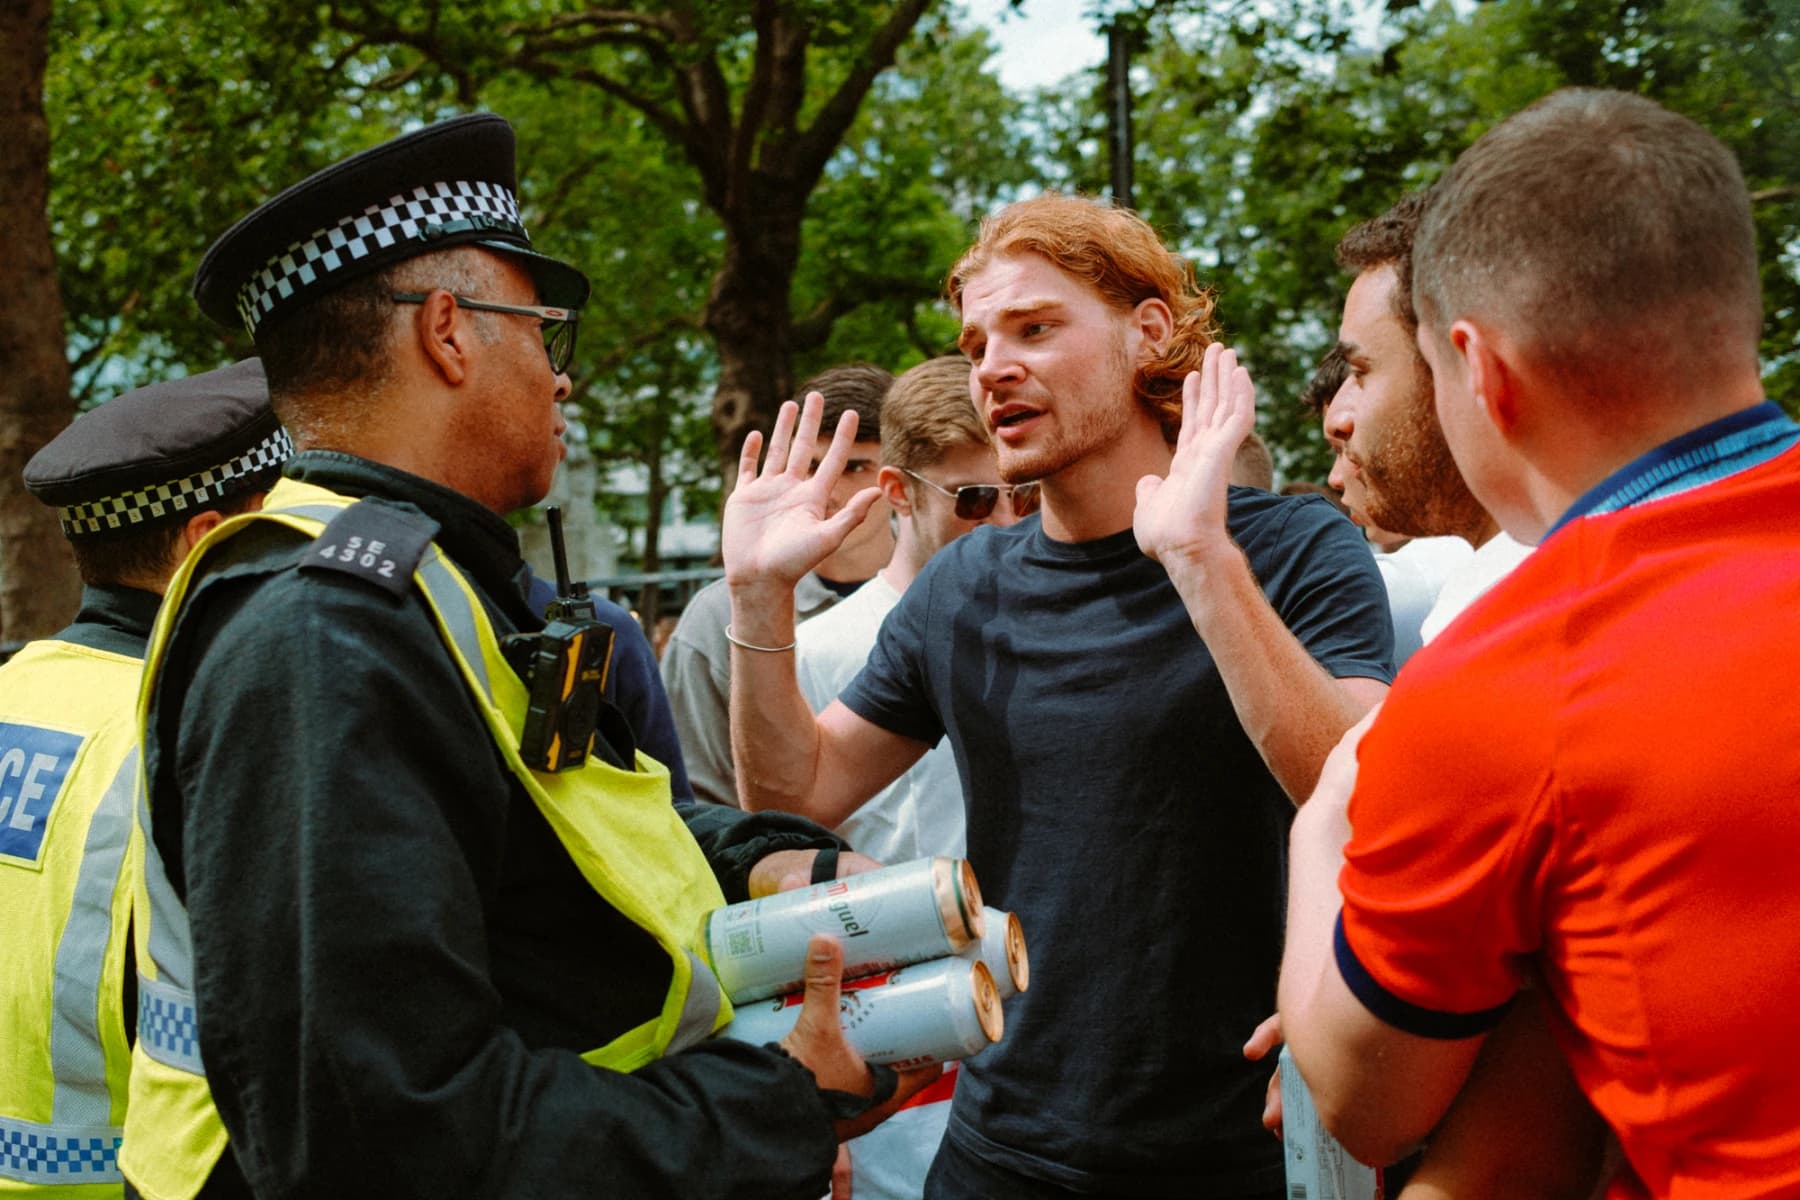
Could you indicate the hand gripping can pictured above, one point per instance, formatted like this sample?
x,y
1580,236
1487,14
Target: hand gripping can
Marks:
x,y
1002,948
1318,1168
903,914
912,1016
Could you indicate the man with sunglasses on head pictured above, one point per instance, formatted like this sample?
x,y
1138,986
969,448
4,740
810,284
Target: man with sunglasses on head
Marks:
x,y
387,944
1128,784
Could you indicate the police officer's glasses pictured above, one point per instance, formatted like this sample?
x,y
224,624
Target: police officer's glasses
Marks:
x,y
976,500
559,323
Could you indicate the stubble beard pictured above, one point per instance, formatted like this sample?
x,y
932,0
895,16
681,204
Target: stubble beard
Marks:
x,y
1096,420
1412,481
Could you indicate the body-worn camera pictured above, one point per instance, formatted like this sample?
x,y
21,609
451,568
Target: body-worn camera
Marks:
x,y
564,667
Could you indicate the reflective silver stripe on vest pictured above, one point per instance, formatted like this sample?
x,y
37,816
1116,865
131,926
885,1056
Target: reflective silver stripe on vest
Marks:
x,y
699,1010
77,1055
316,512
166,1024
61,1153
452,604
168,1029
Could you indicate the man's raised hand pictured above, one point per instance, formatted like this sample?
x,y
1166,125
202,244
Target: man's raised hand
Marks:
x,y
775,525
1185,513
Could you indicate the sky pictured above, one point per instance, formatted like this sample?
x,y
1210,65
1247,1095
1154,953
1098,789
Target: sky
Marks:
x,y
1047,40
1041,44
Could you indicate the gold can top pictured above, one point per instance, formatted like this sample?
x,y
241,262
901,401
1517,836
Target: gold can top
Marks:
x,y
959,900
987,1001
1017,964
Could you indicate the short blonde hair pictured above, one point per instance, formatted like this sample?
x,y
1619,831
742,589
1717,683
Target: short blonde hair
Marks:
x,y
928,413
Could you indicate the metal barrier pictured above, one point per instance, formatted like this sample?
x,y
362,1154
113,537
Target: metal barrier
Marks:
x,y
651,595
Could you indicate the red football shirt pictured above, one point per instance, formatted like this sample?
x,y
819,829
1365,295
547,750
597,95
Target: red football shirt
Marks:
x,y
1597,769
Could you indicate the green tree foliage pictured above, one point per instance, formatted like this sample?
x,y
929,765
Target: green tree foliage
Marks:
x,y
1264,132
168,123
745,182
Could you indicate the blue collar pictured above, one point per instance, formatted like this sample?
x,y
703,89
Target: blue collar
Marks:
x,y
1715,450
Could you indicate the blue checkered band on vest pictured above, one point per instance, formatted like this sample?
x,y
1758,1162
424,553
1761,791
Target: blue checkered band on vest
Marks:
x,y
167,499
407,217
47,1154
168,1026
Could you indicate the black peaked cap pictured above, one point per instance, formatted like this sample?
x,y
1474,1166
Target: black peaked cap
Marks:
x,y
160,453
449,184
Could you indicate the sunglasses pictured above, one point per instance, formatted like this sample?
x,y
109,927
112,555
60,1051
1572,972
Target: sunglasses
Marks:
x,y
559,323
976,500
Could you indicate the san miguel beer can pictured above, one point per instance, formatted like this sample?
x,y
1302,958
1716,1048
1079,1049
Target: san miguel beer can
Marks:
x,y
1002,948
912,1016
903,914
1318,1168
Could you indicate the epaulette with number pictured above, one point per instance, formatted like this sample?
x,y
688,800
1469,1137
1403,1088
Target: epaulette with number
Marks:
x,y
374,541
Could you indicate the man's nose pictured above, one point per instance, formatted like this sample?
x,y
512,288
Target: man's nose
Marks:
x,y
998,367
1340,472
1340,417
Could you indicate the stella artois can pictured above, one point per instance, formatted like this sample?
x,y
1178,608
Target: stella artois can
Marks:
x,y
1002,948
912,1016
903,914
1318,1168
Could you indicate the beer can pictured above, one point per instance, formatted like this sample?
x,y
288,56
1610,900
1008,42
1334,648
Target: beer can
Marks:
x,y
1318,1168
1002,948
912,1016
903,914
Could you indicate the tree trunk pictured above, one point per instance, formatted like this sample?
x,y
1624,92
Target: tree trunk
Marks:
x,y
749,319
39,590
656,493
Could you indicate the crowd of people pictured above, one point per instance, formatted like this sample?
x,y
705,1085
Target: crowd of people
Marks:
x,y
309,894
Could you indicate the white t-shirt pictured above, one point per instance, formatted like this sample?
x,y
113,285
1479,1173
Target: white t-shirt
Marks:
x,y
1491,563
920,814
1414,575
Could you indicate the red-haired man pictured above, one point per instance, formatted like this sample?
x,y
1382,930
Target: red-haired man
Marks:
x,y
1127,782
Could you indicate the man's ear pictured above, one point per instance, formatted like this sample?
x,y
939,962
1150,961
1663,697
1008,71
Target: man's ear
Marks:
x,y
1493,381
445,337
892,482
1153,322
196,527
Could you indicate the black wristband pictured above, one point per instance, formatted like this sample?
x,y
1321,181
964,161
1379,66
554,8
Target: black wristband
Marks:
x,y
826,865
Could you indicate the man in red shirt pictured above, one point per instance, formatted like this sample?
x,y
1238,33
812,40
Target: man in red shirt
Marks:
x,y
1590,779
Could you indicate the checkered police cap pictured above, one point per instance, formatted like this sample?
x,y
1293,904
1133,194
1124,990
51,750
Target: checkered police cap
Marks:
x,y
161,453
449,184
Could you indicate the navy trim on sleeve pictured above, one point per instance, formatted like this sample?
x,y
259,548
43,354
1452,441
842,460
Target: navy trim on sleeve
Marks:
x,y
1403,1014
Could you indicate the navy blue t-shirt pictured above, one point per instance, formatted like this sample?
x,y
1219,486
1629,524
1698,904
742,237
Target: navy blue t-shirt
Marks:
x,y
1117,806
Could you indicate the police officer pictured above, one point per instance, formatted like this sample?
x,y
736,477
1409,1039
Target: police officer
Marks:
x,y
136,483
383,954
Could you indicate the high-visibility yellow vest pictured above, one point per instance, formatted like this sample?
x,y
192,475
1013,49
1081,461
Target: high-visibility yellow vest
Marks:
x,y
68,775
618,826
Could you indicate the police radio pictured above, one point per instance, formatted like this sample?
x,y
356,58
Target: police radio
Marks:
x,y
564,668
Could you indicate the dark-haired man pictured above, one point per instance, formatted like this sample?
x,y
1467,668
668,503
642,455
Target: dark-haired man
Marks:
x,y
1393,466
136,484
389,946
696,664
1126,781
1572,779
1522,1124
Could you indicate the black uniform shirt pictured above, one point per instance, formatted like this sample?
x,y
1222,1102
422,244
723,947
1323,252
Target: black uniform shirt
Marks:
x,y
113,618
397,964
